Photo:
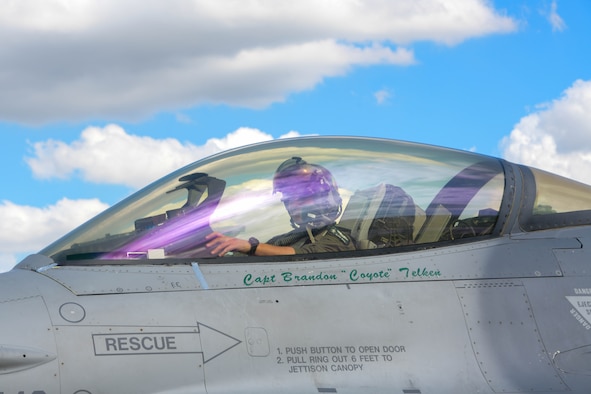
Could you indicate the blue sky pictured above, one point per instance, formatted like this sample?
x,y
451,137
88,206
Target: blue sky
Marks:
x,y
99,98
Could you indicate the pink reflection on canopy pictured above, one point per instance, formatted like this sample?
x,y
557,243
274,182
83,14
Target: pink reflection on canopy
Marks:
x,y
184,235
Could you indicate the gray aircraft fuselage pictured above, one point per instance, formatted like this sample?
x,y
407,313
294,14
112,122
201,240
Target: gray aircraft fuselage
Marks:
x,y
490,292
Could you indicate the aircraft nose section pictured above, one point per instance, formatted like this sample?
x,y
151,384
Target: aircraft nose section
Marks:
x,y
27,345
18,358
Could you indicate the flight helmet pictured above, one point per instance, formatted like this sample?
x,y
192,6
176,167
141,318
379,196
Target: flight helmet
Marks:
x,y
309,192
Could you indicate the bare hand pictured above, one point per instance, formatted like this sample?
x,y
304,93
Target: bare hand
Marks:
x,y
223,244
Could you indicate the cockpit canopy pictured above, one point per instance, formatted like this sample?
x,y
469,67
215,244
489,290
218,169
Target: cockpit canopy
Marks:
x,y
392,194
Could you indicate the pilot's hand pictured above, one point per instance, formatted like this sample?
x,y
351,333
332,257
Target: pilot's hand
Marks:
x,y
223,244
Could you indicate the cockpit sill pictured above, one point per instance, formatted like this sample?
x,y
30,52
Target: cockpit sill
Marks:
x,y
551,238
239,258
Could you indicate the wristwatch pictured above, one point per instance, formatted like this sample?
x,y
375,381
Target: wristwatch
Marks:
x,y
254,243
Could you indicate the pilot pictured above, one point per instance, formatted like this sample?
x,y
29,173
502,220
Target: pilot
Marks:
x,y
310,195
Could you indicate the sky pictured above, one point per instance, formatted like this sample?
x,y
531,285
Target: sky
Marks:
x,y
101,97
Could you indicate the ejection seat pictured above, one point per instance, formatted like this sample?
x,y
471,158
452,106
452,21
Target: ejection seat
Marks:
x,y
382,216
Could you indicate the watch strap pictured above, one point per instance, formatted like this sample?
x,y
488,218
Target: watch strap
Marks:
x,y
254,243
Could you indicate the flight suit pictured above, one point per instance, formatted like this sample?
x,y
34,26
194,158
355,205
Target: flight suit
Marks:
x,y
327,239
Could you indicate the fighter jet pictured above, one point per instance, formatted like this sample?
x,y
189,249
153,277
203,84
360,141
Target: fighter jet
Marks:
x,y
314,265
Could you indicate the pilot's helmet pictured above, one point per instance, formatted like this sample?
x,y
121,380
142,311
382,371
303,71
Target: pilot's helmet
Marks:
x,y
313,187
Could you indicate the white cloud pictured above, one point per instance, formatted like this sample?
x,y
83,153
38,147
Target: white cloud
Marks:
x,y
382,96
555,20
56,15
557,137
110,155
27,229
78,59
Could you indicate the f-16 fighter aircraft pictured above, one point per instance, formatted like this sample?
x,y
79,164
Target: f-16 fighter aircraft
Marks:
x,y
314,265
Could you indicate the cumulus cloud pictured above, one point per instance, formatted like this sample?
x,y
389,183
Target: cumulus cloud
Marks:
x,y
27,229
78,59
557,136
110,155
